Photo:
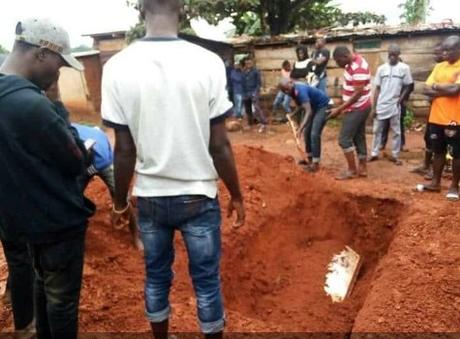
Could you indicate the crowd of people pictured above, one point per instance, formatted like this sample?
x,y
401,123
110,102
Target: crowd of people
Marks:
x,y
305,83
170,131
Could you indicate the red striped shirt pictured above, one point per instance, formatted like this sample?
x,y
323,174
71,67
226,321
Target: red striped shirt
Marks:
x,y
357,73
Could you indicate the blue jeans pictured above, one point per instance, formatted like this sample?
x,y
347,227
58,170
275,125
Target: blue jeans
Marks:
x,y
313,132
238,105
322,85
198,219
353,133
282,99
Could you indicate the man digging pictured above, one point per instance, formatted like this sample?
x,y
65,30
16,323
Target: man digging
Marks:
x,y
315,104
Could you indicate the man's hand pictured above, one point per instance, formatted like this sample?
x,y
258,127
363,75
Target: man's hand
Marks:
x,y
334,113
121,218
238,206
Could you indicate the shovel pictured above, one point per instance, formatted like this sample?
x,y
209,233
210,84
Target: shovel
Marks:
x,y
297,140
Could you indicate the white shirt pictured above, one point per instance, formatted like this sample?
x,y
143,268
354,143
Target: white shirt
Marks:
x,y
391,80
167,91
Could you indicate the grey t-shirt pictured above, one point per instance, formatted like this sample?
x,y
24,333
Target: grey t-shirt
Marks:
x,y
391,80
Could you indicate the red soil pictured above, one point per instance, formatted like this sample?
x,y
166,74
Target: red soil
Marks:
x,y
273,268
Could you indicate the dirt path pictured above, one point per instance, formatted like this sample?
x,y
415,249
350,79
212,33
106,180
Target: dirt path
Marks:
x,y
273,269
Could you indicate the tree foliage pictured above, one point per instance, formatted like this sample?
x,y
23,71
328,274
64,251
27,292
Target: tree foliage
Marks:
x,y
415,11
81,48
274,17
3,50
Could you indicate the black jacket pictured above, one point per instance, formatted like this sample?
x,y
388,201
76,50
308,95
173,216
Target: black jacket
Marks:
x,y
40,160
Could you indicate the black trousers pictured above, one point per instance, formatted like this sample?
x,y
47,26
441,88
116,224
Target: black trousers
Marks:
x,y
20,282
58,274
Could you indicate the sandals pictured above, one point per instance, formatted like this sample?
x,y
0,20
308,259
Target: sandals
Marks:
x,y
428,188
372,158
453,196
396,161
312,168
346,175
303,162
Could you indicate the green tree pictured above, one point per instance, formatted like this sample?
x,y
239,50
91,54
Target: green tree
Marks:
x,y
415,11
274,17
3,50
81,48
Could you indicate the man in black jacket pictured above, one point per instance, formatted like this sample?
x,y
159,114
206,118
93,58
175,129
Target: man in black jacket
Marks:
x,y
41,203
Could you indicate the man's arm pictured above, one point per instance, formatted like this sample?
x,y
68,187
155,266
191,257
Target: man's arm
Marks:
x,y
308,113
258,82
376,99
49,137
358,93
408,85
124,164
224,161
437,90
405,93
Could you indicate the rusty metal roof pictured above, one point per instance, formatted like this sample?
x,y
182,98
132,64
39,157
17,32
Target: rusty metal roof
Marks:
x,y
347,33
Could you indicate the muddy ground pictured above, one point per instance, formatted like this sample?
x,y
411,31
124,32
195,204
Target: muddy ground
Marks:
x,y
273,269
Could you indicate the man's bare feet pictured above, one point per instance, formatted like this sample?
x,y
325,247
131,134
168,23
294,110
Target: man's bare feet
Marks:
x,y
362,168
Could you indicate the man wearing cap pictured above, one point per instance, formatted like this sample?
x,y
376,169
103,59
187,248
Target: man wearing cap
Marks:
x,y
40,198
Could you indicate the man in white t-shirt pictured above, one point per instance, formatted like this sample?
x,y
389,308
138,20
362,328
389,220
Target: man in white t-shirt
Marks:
x,y
170,117
393,80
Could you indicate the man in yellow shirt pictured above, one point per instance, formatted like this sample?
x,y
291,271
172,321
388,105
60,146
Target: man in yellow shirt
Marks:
x,y
443,86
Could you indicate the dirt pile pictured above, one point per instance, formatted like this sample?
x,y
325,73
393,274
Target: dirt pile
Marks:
x,y
273,269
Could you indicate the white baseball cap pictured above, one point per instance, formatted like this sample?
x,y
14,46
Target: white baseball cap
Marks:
x,y
43,32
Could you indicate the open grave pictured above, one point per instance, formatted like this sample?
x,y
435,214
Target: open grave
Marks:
x,y
273,269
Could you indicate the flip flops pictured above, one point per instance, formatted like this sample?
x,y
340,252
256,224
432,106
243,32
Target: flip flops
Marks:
x,y
346,175
428,188
372,158
396,161
453,196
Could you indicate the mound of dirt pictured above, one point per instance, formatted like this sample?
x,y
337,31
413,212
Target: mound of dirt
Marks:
x,y
272,269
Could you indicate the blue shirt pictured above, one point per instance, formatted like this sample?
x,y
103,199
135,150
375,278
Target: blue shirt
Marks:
x,y
252,82
237,80
303,93
102,150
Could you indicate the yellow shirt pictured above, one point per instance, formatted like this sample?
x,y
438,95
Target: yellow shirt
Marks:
x,y
445,110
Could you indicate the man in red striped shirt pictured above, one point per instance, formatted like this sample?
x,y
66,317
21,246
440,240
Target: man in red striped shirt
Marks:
x,y
356,106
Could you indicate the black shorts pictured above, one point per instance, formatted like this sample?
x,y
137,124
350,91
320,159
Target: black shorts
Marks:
x,y
443,136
